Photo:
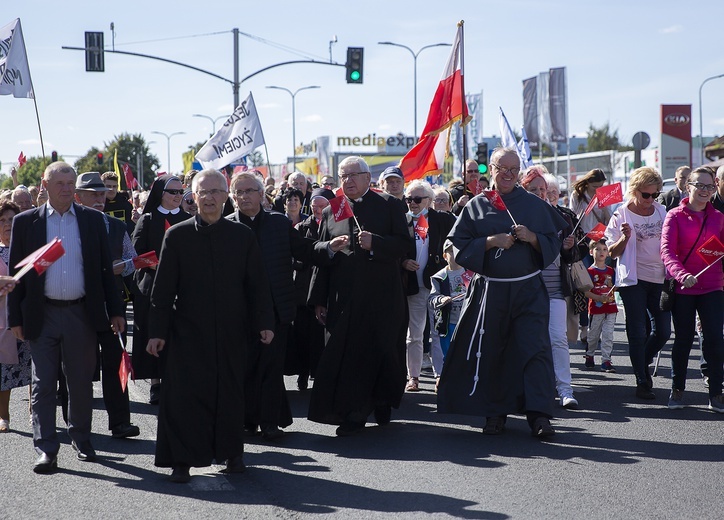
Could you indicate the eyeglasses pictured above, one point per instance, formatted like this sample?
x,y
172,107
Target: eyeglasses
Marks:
x,y
650,195
515,170
473,171
249,191
210,193
703,187
416,200
344,177
190,201
441,200
174,192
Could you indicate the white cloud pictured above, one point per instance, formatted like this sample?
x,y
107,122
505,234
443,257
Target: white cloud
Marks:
x,y
314,118
672,29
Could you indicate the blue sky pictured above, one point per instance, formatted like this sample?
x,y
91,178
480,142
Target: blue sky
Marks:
x,y
624,59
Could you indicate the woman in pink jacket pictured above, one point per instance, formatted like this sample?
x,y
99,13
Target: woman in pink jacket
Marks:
x,y
686,228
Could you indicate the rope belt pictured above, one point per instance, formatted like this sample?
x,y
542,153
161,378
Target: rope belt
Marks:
x,y
480,322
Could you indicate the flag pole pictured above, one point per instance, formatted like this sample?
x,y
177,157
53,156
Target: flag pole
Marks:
x,y
268,164
707,267
468,191
35,101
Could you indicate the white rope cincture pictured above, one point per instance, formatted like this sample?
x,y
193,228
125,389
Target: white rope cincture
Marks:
x,y
480,322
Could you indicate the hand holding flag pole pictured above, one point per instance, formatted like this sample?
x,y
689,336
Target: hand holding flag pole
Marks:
x,y
40,259
711,252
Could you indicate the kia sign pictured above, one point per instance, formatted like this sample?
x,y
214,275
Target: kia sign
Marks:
x,y
675,138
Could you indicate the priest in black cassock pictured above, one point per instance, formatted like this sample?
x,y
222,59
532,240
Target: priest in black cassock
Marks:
x,y
210,299
499,361
357,292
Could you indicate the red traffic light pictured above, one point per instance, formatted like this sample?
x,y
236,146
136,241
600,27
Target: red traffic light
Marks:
x,y
99,157
53,156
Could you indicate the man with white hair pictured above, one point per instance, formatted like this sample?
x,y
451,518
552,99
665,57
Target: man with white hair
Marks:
x,y
298,181
21,196
357,294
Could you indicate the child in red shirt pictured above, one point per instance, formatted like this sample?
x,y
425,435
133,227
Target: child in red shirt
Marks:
x,y
602,307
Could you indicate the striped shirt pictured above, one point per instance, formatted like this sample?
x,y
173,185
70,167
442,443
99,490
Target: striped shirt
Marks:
x,y
64,279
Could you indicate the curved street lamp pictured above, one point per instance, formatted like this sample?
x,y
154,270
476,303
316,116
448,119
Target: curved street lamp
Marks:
x,y
168,145
294,116
701,122
414,56
212,119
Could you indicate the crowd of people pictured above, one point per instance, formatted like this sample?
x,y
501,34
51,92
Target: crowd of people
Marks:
x,y
349,287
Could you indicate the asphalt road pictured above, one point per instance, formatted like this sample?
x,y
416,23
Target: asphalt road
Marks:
x,y
615,457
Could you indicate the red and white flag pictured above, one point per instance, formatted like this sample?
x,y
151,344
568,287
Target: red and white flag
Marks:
x,y
14,70
130,179
22,160
41,258
597,232
475,187
608,195
495,199
125,370
341,208
145,260
448,106
711,250
467,277
421,227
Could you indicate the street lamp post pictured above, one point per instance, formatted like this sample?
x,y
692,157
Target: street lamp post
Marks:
x,y
294,116
414,56
168,145
701,121
213,120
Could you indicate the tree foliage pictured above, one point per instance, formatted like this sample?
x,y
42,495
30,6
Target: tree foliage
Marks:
x,y
29,174
602,138
131,149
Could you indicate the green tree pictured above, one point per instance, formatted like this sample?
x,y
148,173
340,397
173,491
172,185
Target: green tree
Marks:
x,y
130,148
602,138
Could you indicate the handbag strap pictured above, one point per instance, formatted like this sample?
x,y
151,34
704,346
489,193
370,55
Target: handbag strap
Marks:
x,y
703,224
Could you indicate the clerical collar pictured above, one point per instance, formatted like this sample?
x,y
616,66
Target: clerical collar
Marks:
x,y
360,198
165,211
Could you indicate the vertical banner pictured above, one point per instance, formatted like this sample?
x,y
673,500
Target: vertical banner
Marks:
x,y
557,100
323,154
530,110
675,138
544,109
475,127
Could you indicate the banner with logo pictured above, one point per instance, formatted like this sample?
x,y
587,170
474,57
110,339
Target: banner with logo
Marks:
x,y
675,138
557,101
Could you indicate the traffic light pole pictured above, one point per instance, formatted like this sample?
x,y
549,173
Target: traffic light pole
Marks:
x,y
235,83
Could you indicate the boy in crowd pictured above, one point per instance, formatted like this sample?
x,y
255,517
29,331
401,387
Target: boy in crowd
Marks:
x,y
601,307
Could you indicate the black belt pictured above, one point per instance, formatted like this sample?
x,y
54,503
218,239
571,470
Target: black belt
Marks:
x,y
63,303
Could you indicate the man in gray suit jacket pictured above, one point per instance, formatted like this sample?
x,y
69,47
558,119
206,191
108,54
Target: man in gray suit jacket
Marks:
x,y
60,311
672,198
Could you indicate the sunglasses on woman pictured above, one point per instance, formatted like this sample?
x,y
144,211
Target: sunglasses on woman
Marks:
x,y
416,200
649,195
190,201
174,192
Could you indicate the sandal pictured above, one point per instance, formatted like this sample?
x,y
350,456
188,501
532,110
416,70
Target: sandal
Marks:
x,y
494,425
413,385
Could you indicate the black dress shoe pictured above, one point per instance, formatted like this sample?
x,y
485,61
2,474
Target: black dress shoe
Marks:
x,y
235,465
542,428
349,428
86,453
155,393
180,474
125,430
251,430
271,433
46,464
644,392
383,414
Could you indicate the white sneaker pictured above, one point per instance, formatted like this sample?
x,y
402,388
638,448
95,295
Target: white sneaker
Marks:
x,y
4,426
568,401
426,362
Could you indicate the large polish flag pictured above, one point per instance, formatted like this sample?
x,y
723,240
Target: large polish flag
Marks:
x,y
448,106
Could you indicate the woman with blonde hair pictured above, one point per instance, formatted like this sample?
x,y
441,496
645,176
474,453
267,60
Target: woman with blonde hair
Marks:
x,y
633,237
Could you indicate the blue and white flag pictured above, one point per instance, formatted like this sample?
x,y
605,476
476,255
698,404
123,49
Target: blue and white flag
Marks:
x,y
14,70
524,148
507,139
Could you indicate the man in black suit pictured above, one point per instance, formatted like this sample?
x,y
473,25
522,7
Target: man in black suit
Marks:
x,y
671,198
60,311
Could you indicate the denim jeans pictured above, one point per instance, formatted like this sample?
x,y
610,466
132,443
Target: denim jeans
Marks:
x,y
709,306
642,348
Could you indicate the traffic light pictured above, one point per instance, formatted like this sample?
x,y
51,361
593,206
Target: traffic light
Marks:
x,y
53,156
355,57
481,157
99,158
